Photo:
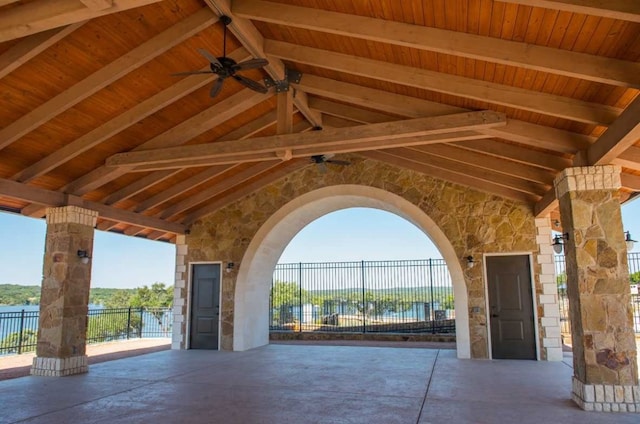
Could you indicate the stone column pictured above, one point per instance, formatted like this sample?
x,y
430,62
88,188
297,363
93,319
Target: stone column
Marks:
x,y
604,347
66,280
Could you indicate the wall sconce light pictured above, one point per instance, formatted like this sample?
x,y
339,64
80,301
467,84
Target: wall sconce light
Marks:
x,y
84,256
558,241
230,266
629,240
470,261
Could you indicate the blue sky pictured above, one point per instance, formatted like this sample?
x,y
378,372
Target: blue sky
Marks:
x,y
125,262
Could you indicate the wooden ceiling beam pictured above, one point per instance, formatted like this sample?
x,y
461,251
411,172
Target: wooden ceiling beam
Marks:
x,y
51,198
630,182
180,134
470,169
98,4
349,112
618,138
625,10
176,136
41,15
301,103
225,184
31,46
528,56
516,153
630,158
252,40
519,131
106,75
138,186
444,174
238,193
241,133
322,139
123,121
179,188
490,154
285,112
620,135
543,179
484,91
298,128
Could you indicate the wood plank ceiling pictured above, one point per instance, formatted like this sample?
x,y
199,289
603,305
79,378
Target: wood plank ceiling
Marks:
x,y
495,95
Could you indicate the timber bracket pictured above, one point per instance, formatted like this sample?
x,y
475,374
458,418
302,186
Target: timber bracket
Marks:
x,y
290,77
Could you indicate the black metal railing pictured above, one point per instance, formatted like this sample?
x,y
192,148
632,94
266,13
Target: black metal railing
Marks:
x,y
407,296
19,329
563,300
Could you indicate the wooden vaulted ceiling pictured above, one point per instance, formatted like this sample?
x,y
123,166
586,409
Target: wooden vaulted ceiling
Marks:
x,y
495,95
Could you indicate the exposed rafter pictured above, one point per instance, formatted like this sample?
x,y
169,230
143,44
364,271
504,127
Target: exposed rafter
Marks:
x,y
106,75
41,15
445,174
528,56
626,10
231,196
504,95
176,136
130,117
50,198
519,131
32,46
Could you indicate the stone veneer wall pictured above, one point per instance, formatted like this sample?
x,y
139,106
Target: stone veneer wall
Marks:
x,y
474,222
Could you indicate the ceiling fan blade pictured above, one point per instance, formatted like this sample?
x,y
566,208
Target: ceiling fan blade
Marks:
x,y
255,86
211,58
251,64
180,74
216,87
338,162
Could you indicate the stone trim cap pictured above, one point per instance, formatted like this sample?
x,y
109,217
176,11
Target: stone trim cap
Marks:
x,y
71,215
583,178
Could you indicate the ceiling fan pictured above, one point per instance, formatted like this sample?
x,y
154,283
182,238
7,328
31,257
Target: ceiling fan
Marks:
x,y
225,67
323,160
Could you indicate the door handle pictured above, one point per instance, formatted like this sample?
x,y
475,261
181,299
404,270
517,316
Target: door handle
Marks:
x,y
494,315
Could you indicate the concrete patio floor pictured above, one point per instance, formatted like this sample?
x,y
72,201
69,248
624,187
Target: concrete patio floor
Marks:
x,y
303,384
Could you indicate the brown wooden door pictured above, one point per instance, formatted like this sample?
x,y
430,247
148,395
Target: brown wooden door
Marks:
x,y
511,307
205,306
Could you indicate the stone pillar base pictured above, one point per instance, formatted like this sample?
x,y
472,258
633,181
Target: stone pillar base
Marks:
x,y
59,367
605,397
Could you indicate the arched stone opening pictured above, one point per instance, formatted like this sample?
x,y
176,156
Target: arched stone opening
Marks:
x,y
251,328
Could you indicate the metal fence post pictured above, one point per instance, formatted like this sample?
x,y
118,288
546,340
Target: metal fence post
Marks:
x,y
300,297
364,305
141,323
129,323
21,332
432,311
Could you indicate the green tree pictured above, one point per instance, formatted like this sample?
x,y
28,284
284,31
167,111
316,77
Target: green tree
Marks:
x,y
28,342
156,298
15,294
634,278
106,326
119,299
